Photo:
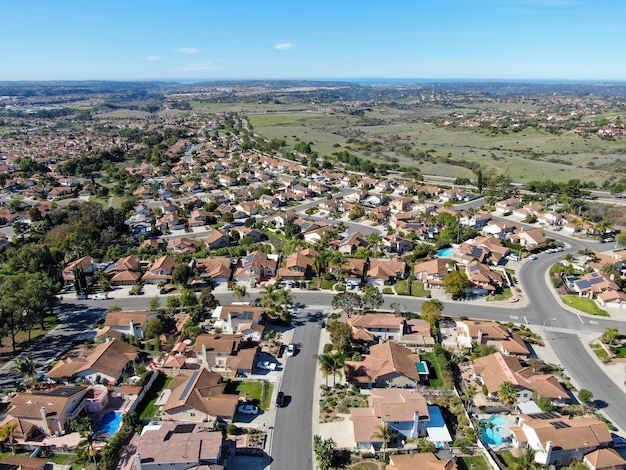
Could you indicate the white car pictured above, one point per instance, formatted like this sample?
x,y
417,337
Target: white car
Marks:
x,y
248,409
266,365
291,350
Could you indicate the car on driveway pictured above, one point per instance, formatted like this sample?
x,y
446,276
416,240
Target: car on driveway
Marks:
x,y
291,350
266,365
248,409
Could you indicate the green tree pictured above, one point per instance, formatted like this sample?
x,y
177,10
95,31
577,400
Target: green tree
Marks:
x,y
324,450
154,304
86,448
6,434
240,292
431,311
347,301
181,273
385,433
610,335
188,298
325,362
455,283
25,366
372,297
585,396
508,393
426,446
525,460
340,335
155,327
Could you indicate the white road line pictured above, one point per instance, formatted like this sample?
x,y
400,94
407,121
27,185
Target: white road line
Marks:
x,y
593,322
525,320
514,317
581,320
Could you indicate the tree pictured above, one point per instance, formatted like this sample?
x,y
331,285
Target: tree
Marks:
x,y
585,396
524,461
426,446
154,304
155,327
181,273
455,283
372,297
6,434
610,335
340,335
508,393
25,366
325,361
385,433
480,181
431,311
84,427
347,301
239,292
324,450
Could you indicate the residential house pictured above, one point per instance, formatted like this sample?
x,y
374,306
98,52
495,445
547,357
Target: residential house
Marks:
x,y
129,323
453,194
184,245
498,367
214,270
298,266
423,461
592,284
488,249
224,354
256,267
482,277
48,412
476,220
417,334
383,271
372,326
397,244
177,446
549,218
125,271
198,398
107,362
529,238
217,239
86,265
559,440
506,206
604,459
240,318
387,365
432,272
404,411
352,243
475,332
160,271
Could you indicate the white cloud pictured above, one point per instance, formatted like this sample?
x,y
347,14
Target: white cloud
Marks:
x,y
188,50
284,45
154,57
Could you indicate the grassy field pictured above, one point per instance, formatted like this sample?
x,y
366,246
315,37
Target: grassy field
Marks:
x,y
584,305
418,289
477,462
435,369
523,155
257,391
147,408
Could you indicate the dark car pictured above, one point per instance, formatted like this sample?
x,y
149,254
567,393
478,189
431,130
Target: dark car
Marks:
x,y
280,399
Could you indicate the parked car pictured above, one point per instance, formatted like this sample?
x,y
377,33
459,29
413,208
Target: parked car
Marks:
x,y
291,350
266,365
607,240
532,257
248,409
100,296
280,399
82,297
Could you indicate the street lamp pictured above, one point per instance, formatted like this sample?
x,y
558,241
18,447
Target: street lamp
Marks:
x,y
543,327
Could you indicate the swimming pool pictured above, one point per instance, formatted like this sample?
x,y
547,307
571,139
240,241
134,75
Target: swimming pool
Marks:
x,y
110,424
494,433
445,252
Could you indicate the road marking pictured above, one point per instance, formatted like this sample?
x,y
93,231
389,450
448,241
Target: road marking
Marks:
x,y
514,317
525,320
581,320
593,322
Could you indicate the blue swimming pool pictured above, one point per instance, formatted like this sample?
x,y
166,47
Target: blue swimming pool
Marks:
x,y
110,424
492,434
445,252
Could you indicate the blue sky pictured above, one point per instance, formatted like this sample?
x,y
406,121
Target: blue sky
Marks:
x,y
245,39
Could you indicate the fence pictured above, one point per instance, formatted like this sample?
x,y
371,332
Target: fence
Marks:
x,y
144,390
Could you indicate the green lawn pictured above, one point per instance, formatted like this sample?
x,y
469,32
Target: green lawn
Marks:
x,y
620,352
477,462
257,391
435,370
584,305
62,459
328,284
507,457
418,290
402,287
147,408
505,295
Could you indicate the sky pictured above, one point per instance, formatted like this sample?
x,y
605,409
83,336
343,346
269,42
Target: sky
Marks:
x,y
320,39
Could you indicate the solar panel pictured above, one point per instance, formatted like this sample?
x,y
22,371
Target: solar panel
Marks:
x,y
184,428
474,267
187,388
547,415
560,425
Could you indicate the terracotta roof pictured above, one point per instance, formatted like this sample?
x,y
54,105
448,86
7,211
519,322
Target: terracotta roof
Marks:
x,y
605,459
424,461
29,404
568,433
139,318
386,358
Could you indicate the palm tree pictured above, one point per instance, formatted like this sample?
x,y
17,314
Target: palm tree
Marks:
x,y
321,261
326,365
610,270
84,427
569,257
6,433
26,367
269,296
336,365
524,461
385,433
508,393
240,292
284,297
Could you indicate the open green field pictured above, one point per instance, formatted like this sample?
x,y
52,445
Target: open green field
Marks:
x,y
584,305
530,154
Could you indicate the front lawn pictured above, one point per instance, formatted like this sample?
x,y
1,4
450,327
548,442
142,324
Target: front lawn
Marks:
x,y
256,391
402,287
504,295
418,289
620,352
584,305
327,284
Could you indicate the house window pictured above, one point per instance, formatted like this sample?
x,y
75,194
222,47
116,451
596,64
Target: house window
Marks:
x,y
192,414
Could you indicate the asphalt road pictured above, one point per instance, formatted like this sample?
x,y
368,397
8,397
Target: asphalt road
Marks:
x,y
292,436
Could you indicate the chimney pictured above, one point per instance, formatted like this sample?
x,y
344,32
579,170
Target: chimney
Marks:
x,y
44,418
204,358
138,461
132,327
